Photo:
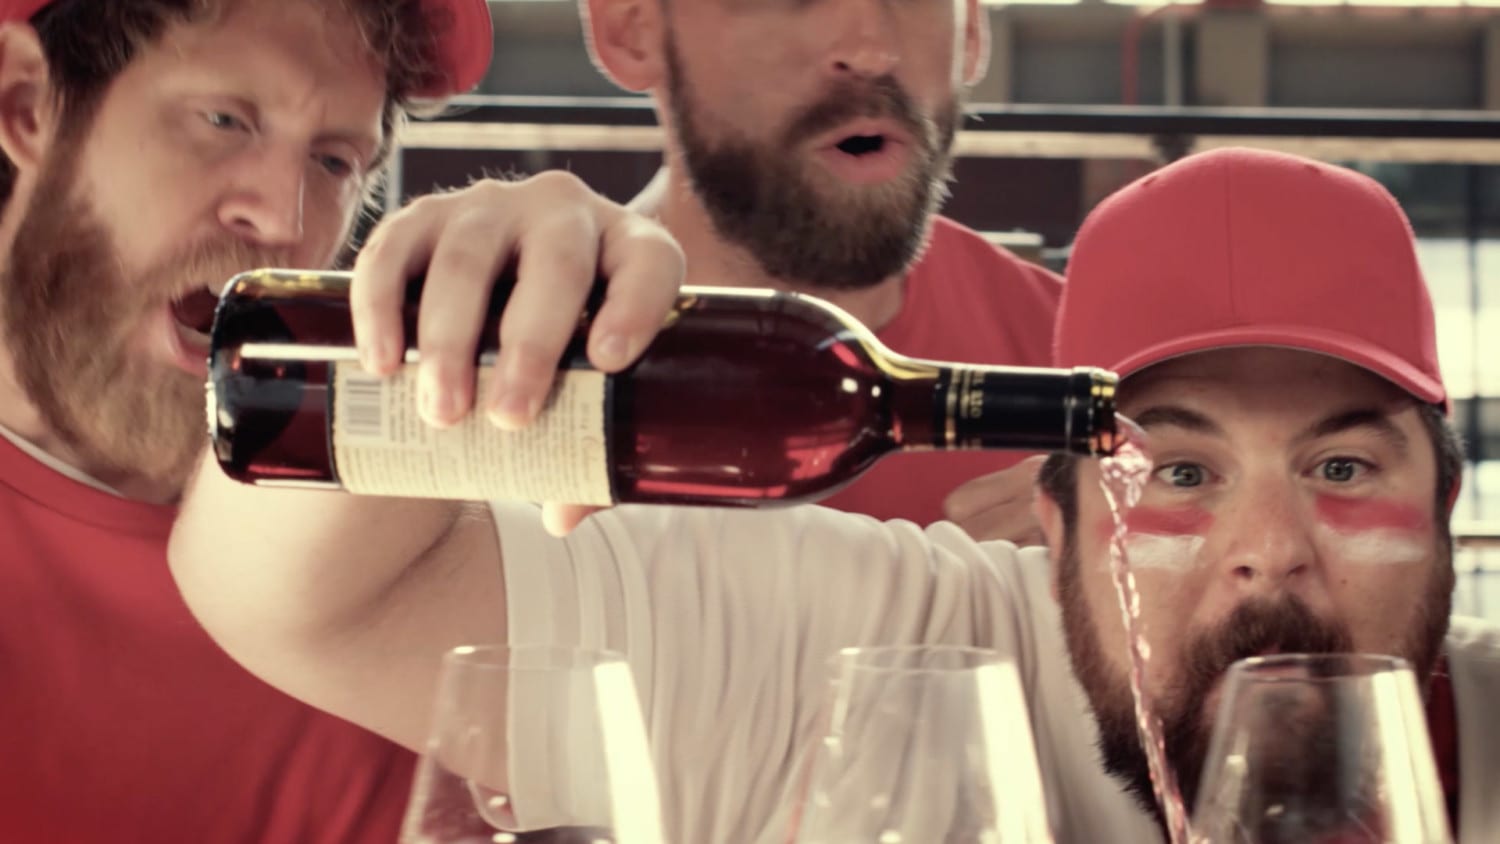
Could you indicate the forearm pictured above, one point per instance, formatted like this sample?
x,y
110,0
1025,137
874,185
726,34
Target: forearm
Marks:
x,y
349,602
344,601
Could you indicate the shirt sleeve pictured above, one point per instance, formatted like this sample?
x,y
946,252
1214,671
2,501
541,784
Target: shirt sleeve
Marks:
x,y
728,619
1048,282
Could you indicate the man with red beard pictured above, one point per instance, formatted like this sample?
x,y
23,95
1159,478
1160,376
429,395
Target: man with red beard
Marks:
x,y
1275,338
152,148
808,148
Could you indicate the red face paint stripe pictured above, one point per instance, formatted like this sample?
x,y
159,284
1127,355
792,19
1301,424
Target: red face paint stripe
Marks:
x,y
1176,521
1360,514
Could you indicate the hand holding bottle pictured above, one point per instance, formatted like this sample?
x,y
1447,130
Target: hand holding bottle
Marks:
x,y
561,236
745,397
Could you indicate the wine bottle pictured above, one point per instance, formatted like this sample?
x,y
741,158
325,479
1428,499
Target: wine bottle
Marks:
x,y
746,397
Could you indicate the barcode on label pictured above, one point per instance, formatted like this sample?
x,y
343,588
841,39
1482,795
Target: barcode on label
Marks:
x,y
364,406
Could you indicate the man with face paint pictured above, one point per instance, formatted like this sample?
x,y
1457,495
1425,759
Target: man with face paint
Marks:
x,y
1275,338
1285,368
808,148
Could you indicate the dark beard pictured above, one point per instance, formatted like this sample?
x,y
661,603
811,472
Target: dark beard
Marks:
x,y
70,317
1286,625
760,196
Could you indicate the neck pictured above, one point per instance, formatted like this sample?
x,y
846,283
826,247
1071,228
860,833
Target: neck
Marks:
x,y
712,260
18,413
20,416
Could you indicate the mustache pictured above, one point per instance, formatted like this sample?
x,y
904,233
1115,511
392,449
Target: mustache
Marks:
x,y
1286,625
209,264
882,96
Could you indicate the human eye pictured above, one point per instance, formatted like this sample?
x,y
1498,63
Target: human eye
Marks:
x,y
335,165
225,121
1182,474
1342,470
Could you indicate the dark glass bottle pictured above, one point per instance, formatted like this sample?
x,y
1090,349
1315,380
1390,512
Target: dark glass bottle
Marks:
x,y
746,397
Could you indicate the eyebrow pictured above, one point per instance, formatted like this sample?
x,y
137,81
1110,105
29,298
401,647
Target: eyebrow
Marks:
x,y
1373,419
1176,416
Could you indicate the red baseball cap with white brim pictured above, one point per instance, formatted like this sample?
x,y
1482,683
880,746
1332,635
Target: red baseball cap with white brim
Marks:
x,y
1240,247
462,48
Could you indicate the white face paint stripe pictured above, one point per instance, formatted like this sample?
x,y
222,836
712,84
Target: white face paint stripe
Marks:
x,y
1156,551
1378,547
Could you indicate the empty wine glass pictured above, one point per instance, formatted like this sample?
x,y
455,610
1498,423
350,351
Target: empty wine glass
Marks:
x,y
1320,749
534,744
923,744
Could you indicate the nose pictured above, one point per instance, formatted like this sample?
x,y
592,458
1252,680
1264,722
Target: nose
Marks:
x,y
1268,545
264,203
865,42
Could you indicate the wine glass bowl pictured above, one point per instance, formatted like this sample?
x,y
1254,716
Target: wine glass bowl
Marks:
x,y
534,744
1320,749
923,744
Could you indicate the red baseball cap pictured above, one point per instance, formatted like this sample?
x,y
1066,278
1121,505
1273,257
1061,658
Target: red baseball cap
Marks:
x,y
462,49
1241,247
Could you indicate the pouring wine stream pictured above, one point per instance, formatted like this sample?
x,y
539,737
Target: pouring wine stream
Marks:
x,y
1123,478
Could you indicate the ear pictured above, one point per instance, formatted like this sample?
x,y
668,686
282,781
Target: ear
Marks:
x,y
26,112
1049,516
625,40
976,41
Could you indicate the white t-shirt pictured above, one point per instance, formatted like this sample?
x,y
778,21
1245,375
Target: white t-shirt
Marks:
x,y
728,619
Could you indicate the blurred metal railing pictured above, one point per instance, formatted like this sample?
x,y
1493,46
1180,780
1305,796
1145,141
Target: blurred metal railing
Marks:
x,y
1476,536
1030,131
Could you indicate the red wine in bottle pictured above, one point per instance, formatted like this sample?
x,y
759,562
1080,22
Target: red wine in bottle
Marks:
x,y
746,397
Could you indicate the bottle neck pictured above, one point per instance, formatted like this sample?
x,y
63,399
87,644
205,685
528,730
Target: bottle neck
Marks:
x,y
917,416
1017,408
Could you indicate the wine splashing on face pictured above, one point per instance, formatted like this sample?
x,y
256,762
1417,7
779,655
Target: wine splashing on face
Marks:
x,y
1123,478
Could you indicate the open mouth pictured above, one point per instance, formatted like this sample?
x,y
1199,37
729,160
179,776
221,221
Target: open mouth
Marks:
x,y
858,145
195,311
870,154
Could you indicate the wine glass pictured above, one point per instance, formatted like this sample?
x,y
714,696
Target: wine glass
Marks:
x,y
534,744
923,744
1320,749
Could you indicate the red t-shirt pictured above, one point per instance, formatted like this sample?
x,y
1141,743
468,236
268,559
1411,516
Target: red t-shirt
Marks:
x,y
121,721
966,301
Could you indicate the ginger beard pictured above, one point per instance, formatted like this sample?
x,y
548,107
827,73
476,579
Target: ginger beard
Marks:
x,y
1256,626
798,224
74,320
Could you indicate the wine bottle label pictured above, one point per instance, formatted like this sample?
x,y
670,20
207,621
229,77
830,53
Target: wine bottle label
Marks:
x,y
382,447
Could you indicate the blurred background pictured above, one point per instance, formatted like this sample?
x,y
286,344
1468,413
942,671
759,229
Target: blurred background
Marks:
x,y
1083,96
